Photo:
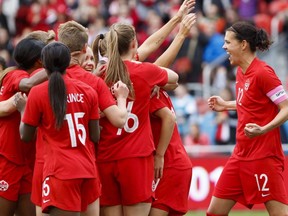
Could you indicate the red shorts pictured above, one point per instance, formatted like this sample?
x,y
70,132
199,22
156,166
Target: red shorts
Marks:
x,y
69,195
15,179
252,182
172,192
36,194
127,181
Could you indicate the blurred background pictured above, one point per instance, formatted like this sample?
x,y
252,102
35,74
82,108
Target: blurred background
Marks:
x,y
202,64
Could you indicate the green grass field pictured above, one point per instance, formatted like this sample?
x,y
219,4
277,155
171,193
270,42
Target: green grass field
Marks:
x,y
233,213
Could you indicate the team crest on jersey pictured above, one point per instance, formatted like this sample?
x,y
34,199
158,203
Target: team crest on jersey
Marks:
x,y
4,185
247,84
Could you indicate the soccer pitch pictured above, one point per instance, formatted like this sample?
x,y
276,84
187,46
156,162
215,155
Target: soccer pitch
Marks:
x,y
233,213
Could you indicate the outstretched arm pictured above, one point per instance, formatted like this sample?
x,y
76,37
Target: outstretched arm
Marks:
x,y
166,59
156,39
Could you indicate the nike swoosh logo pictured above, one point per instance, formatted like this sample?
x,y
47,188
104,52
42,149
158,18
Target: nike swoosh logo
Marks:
x,y
45,201
264,195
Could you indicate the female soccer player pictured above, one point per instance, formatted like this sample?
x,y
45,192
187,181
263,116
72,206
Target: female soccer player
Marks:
x,y
173,168
66,111
254,172
89,61
15,174
124,156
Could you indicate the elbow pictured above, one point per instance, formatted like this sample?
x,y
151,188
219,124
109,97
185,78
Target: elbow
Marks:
x,y
173,78
120,122
171,120
25,138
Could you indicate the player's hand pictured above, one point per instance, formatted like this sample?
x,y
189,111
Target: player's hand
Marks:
x,y
158,166
155,91
20,101
186,24
252,130
186,7
216,103
120,90
100,71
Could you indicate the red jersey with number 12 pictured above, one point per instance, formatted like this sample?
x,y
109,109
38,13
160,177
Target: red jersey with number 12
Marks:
x,y
258,91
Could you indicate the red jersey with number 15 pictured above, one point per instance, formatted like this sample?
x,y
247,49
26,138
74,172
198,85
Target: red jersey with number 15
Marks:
x,y
70,152
135,139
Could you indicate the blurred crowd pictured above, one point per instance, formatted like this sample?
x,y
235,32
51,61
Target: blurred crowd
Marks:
x,y
197,124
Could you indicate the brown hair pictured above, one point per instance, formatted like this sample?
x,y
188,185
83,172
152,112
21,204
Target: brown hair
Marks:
x,y
73,35
45,37
116,43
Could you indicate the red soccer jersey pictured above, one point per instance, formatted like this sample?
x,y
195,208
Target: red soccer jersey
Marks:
x,y
175,155
11,146
104,95
135,139
70,152
255,105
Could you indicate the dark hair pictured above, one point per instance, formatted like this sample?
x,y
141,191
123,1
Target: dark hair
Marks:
x,y
257,38
27,52
3,63
56,58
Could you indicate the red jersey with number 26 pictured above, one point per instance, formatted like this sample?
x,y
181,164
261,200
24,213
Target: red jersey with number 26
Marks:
x,y
70,152
135,139
258,92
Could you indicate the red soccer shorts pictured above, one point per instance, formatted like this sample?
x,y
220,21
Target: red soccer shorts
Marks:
x,y
252,182
71,194
15,179
172,192
127,181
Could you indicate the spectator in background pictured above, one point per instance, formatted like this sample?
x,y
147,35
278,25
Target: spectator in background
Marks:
x,y
185,108
206,119
226,121
196,136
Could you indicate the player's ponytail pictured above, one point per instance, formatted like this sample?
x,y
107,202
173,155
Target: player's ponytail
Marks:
x,y
56,58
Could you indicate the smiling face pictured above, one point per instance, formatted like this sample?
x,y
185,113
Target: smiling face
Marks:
x,y
233,48
89,62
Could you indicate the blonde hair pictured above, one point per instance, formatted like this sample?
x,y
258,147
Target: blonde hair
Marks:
x,y
115,43
45,37
73,35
